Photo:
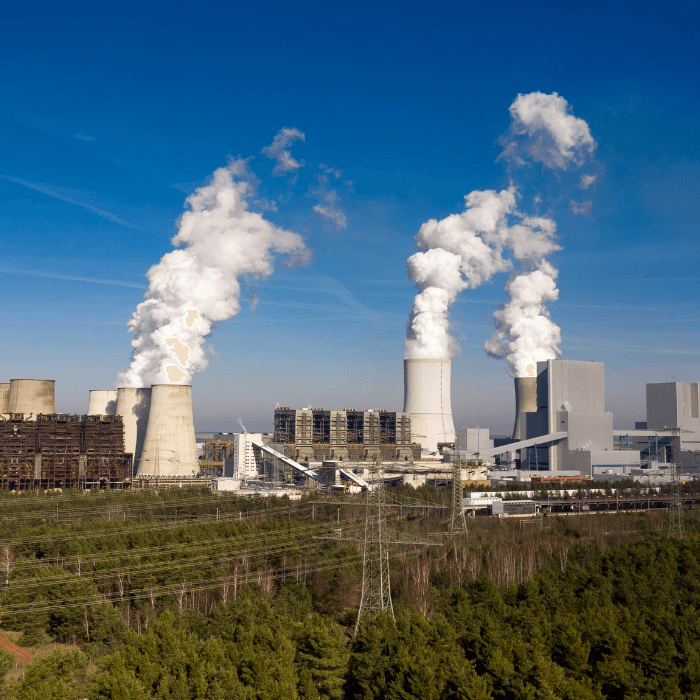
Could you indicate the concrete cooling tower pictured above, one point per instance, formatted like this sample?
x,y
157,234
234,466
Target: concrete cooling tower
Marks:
x,y
427,401
169,448
102,402
133,405
4,397
525,402
31,397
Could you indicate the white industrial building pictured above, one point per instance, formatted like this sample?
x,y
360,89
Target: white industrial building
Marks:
x,y
243,464
675,405
571,400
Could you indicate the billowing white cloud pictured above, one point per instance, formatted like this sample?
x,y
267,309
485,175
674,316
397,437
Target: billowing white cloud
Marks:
x,y
543,130
278,150
197,285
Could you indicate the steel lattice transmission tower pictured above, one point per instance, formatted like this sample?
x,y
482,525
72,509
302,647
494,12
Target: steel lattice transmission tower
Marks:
x,y
458,524
376,593
676,527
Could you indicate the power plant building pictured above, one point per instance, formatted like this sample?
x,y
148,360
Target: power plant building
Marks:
x,y
675,405
318,434
571,399
62,451
243,463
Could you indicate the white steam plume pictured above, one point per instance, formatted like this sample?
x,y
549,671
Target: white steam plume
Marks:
x,y
525,334
543,131
278,150
492,235
196,286
463,250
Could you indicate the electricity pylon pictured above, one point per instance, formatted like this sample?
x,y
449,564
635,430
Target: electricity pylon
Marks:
x,y
376,593
458,524
676,527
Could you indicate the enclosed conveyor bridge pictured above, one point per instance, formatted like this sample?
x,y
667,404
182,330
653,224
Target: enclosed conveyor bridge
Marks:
x,y
310,473
522,444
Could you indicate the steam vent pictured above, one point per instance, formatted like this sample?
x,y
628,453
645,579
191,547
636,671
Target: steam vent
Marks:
x,y
427,401
169,448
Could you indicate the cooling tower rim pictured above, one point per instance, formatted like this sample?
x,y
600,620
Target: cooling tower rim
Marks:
x,y
123,387
155,385
103,390
25,379
428,359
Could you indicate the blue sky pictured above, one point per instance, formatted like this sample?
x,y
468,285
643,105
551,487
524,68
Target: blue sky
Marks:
x,y
113,113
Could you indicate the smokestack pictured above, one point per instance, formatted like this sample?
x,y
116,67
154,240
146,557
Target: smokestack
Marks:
x,y
169,448
133,405
31,397
102,402
427,401
4,397
525,402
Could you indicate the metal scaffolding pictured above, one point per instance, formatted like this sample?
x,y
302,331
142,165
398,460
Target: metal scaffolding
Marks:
x,y
62,451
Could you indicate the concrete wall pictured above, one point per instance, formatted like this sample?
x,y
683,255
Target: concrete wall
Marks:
x,y
133,405
31,397
102,402
169,447
427,401
675,405
588,430
4,397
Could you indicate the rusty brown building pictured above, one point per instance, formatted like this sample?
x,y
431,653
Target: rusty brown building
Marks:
x,y
63,451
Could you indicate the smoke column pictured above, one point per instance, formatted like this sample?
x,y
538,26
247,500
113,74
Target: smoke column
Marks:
x,y
493,235
196,286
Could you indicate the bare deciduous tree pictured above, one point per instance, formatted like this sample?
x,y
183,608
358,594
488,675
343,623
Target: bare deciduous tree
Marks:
x,y
7,562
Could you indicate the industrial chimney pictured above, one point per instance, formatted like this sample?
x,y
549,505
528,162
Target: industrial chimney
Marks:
x,y
31,397
427,401
133,405
169,448
102,402
525,402
5,397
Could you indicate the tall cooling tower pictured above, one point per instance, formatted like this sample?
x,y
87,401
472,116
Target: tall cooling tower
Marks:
x,y
5,397
169,448
426,399
31,397
133,405
102,402
525,402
